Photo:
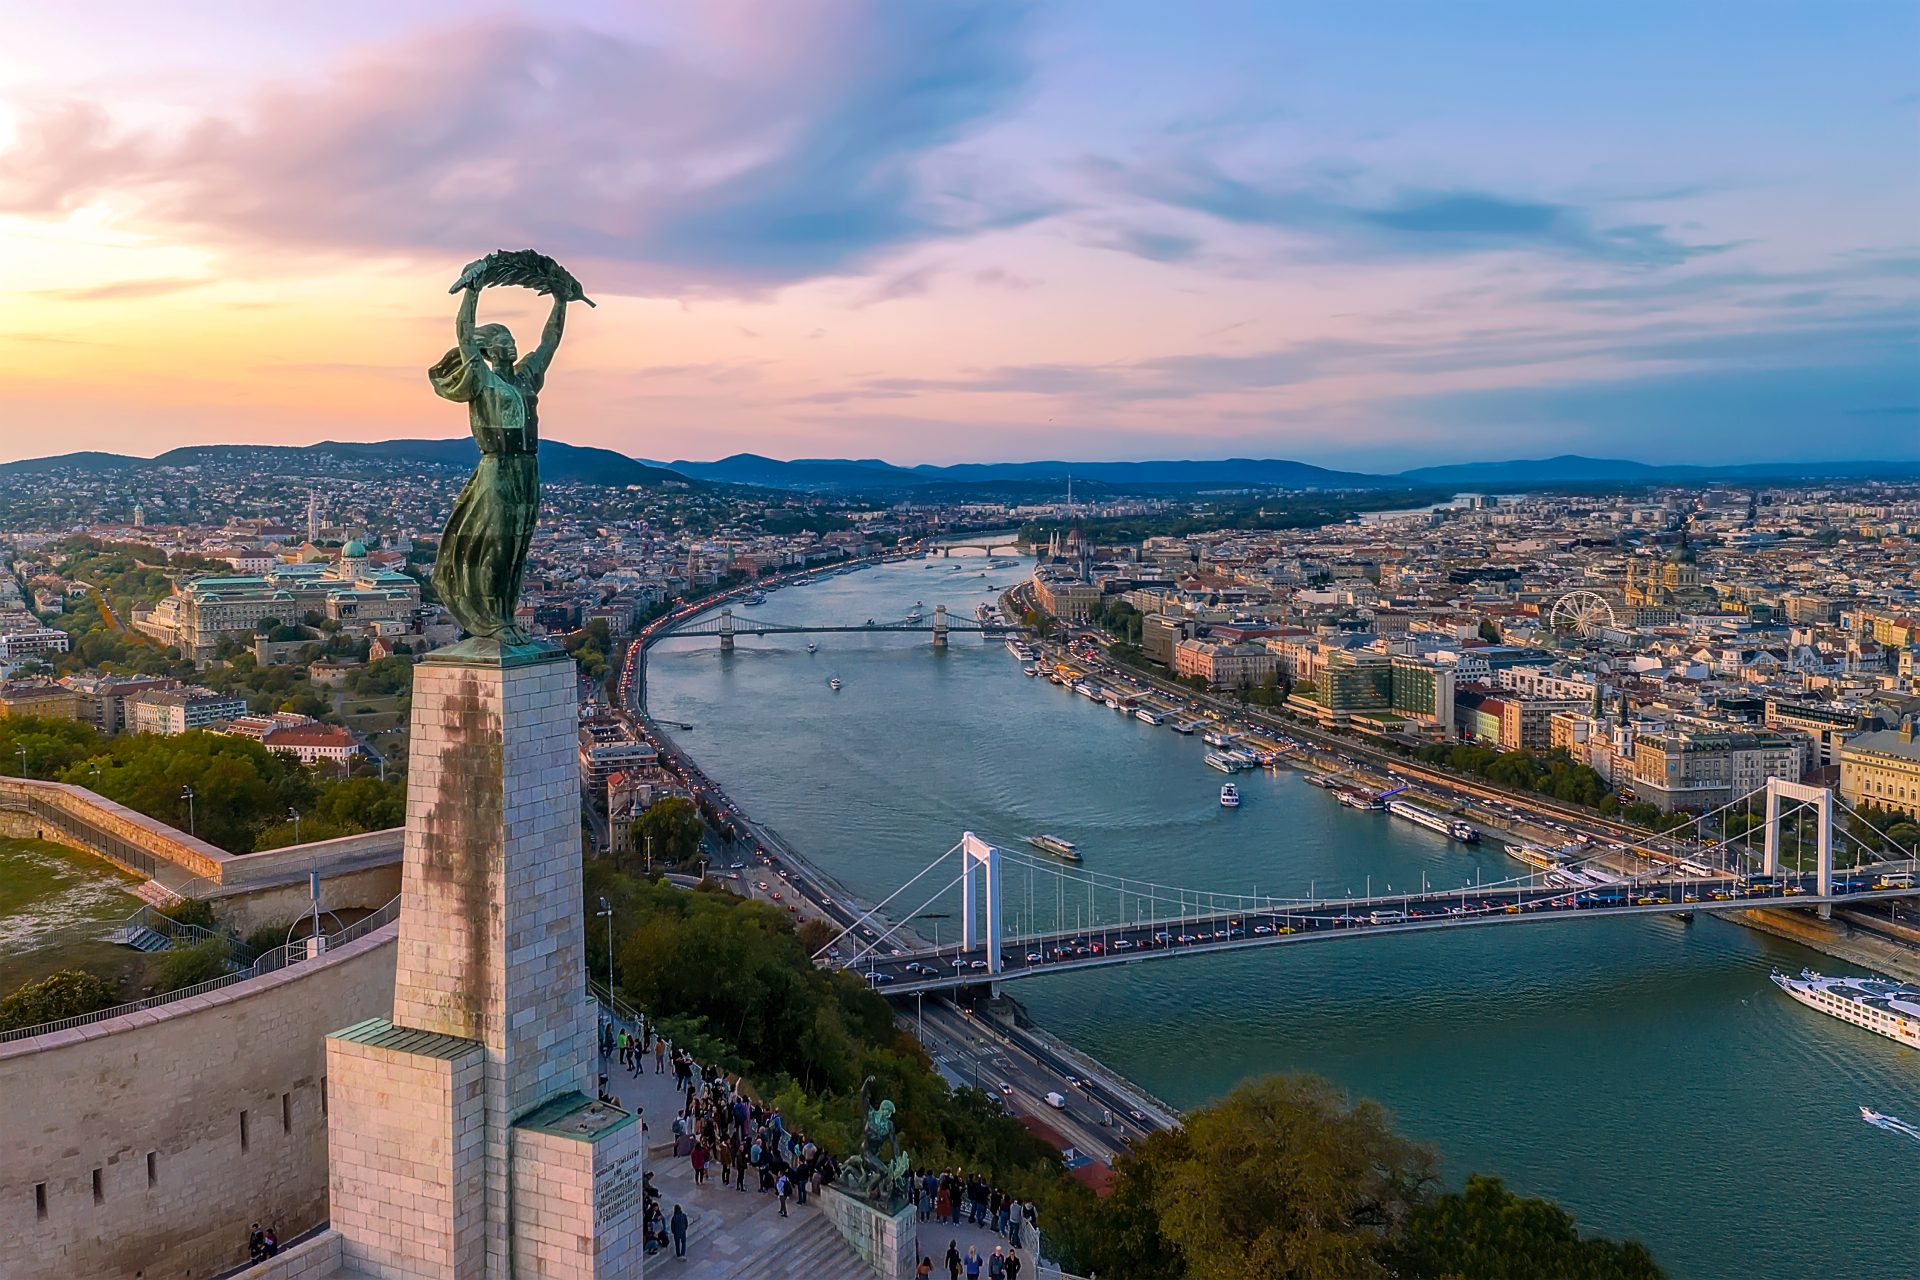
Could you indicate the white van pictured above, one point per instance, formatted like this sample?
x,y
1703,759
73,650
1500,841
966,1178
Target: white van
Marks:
x,y
1057,1101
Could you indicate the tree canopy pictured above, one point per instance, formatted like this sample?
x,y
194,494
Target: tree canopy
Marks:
x,y
674,826
241,791
1285,1179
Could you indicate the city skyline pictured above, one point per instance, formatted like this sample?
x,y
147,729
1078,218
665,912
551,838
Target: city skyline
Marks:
x,y
1367,239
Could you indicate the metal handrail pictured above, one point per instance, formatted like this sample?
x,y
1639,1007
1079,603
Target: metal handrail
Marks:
x,y
278,958
620,1008
150,917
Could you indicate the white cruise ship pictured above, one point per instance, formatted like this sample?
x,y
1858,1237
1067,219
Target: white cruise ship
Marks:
x,y
1891,1008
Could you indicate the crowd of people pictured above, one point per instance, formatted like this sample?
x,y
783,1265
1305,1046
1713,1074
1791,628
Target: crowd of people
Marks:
x,y
1002,1264
954,1197
719,1126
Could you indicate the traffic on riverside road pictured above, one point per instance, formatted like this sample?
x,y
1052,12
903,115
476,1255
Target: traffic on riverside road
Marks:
x,y
902,971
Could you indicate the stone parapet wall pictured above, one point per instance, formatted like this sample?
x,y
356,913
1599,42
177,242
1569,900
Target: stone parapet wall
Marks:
x,y
315,1258
328,857
80,818
121,1142
73,815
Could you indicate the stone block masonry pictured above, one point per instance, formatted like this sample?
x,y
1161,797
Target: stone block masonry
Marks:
x,y
145,1144
491,942
576,1182
465,1146
406,1151
883,1241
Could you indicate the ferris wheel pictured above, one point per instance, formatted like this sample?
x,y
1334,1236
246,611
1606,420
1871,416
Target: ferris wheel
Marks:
x,y
1586,612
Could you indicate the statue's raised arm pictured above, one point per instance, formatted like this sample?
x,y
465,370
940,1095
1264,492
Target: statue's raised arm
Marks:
x,y
534,364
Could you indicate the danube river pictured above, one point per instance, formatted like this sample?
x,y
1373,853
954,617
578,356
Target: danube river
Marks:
x,y
1643,1072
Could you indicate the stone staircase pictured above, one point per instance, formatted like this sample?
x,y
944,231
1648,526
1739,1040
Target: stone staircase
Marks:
x,y
153,893
143,939
817,1249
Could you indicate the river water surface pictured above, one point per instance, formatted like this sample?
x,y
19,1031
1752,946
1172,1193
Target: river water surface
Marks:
x,y
1642,1072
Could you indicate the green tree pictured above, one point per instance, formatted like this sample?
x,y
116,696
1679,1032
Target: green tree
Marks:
x,y
1284,1178
674,826
1489,631
1486,1232
52,746
190,966
66,994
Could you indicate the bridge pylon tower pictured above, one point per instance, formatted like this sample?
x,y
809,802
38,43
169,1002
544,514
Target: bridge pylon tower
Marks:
x,y
976,855
726,631
1822,800
939,626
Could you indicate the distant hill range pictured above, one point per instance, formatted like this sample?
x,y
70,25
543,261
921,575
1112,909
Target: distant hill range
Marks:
x,y
1574,469
580,464
844,474
870,473
560,463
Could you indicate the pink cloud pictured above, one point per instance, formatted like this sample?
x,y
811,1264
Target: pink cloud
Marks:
x,y
646,169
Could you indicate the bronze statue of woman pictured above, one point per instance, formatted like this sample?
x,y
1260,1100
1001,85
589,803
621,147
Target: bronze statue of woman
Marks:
x,y
483,551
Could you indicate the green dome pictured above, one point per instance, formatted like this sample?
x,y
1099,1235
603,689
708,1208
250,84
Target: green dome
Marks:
x,y
355,550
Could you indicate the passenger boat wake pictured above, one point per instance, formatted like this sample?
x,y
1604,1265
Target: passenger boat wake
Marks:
x,y
1892,1124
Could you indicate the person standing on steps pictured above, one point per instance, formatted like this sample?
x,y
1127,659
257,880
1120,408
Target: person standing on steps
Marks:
x,y
953,1260
678,1226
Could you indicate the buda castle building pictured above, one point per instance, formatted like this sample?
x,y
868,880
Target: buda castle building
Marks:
x,y
202,612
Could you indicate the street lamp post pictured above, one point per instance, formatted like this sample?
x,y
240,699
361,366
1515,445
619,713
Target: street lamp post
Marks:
x,y
606,913
186,793
23,760
295,815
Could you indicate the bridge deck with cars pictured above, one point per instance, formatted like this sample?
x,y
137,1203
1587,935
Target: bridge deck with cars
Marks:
x,y
1277,924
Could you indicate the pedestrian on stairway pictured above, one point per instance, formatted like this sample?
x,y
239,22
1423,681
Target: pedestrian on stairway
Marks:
x,y
783,1187
953,1260
678,1225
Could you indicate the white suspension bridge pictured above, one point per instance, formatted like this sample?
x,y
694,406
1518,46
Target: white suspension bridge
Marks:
x,y
1061,917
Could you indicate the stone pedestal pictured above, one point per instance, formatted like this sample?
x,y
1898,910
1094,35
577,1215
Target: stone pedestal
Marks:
x,y
884,1241
406,1150
465,1144
576,1205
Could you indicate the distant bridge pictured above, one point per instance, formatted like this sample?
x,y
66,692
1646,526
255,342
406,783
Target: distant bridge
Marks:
x,y
947,548
727,626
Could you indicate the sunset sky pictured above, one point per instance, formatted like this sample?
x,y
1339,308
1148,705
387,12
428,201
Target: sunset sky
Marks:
x,y
1367,234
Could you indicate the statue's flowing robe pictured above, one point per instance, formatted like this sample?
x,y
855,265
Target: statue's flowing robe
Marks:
x,y
483,552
